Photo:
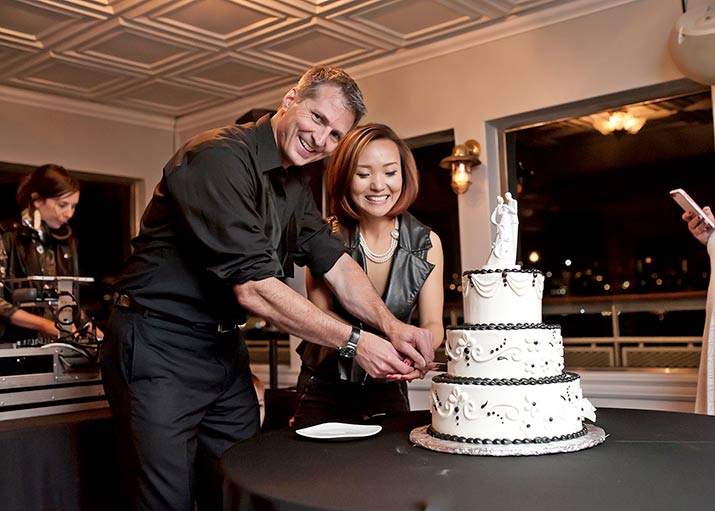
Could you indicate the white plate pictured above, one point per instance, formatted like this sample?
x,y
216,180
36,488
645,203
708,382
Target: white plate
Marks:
x,y
334,430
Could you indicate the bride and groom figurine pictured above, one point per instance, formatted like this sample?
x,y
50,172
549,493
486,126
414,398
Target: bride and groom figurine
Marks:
x,y
506,220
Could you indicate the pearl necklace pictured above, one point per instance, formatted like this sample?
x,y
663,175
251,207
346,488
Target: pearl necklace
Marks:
x,y
382,258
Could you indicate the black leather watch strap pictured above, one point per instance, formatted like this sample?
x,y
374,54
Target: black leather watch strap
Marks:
x,y
350,349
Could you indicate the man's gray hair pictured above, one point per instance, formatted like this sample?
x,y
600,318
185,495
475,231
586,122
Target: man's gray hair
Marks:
x,y
318,76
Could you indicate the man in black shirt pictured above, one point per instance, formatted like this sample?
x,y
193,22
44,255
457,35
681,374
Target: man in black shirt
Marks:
x,y
226,222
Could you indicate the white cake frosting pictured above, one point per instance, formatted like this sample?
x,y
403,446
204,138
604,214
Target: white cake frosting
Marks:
x,y
512,351
496,410
505,381
502,296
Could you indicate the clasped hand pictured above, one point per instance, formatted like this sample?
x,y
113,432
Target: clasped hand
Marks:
x,y
409,354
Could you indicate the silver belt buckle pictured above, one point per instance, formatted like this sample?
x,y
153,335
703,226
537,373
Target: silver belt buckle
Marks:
x,y
223,329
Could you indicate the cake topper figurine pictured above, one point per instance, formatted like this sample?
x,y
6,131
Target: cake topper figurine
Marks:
x,y
506,220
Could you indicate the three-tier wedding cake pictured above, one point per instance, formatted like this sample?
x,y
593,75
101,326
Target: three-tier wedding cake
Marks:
x,y
505,391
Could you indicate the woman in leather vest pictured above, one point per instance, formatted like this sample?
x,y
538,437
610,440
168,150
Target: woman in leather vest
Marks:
x,y
40,244
372,180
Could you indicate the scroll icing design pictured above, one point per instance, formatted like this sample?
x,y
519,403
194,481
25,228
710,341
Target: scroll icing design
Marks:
x,y
456,350
538,351
459,403
463,347
500,412
481,354
450,405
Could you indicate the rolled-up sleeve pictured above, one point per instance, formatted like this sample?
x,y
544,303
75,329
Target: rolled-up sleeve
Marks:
x,y
219,198
316,246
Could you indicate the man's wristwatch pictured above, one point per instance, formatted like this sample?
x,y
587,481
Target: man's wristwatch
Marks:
x,y
350,349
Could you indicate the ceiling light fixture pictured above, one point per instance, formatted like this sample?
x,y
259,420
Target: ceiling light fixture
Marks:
x,y
618,121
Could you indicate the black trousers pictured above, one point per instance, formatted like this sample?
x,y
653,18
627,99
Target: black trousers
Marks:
x,y
180,397
333,400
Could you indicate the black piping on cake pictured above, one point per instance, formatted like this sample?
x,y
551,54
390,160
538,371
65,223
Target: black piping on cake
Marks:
x,y
506,441
508,270
564,377
503,326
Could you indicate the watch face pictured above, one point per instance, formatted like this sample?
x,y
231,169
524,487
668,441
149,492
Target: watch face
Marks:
x,y
347,351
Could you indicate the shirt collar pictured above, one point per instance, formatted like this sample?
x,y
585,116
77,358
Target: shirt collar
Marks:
x,y
269,156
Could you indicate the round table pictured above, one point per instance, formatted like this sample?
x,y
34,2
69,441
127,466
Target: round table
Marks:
x,y
650,461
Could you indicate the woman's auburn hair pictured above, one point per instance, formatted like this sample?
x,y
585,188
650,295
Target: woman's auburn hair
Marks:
x,y
342,166
49,181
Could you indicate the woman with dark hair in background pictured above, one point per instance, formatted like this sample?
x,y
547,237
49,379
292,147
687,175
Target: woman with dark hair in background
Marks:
x,y
40,244
372,181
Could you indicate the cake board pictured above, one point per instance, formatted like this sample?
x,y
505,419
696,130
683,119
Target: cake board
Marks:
x,y
593,437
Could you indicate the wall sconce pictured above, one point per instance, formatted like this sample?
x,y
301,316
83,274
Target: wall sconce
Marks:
x,y
620,120
463,158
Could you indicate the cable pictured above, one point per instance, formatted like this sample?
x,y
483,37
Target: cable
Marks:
x,y
82,350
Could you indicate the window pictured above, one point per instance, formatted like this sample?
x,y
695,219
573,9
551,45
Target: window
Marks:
x,y
595,210
625,278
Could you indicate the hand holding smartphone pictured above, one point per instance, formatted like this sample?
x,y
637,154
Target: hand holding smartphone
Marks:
x,y
688,204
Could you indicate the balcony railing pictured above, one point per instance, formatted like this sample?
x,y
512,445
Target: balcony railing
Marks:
x,y
617,332
634,331
661,330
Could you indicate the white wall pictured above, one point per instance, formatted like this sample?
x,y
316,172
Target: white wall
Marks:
x,y
37,129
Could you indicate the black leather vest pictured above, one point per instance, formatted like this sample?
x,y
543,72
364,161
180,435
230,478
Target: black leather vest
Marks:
x,y
408,273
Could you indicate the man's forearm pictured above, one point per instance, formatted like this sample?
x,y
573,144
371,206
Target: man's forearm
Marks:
x,y
352,287
291,312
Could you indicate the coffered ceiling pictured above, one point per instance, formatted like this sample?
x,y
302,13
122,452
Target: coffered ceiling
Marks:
x,y
177,57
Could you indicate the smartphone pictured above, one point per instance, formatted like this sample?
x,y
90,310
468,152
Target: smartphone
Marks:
x,y
688,204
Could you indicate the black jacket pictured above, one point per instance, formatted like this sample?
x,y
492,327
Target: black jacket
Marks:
x,y
25,252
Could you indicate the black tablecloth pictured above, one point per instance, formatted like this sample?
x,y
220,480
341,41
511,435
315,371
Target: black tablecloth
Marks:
x,y
64,462
650,461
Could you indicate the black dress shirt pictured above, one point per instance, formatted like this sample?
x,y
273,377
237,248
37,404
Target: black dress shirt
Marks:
x,y
224,213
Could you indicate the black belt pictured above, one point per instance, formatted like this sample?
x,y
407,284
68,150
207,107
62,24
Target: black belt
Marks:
x,y
127,302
